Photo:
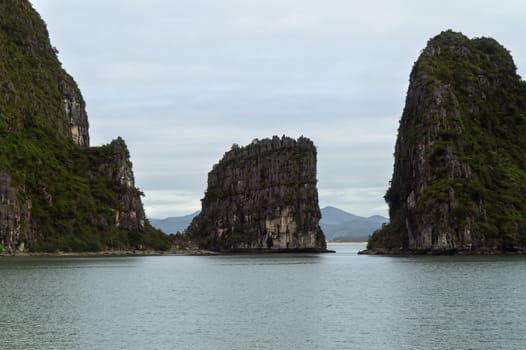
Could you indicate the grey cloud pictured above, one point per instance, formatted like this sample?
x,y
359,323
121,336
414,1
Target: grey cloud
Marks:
x,y
183,80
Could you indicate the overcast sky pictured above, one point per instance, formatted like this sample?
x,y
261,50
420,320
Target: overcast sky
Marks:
x,y
183,80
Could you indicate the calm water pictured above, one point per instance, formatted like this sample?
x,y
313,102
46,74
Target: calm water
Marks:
x,y
327,301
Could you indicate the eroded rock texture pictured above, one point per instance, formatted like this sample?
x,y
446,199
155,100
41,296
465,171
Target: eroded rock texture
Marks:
x,y
56,192
459,178
14,216
262,197
129,213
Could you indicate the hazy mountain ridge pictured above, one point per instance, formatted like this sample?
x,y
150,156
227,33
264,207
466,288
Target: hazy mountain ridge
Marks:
x,y
341,226
174,224
337,225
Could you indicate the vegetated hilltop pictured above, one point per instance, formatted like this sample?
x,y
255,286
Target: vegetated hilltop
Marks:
x,y
459,179
262,197
56,192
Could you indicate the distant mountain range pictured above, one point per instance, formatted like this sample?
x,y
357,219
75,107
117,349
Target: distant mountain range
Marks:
x,y
341,226
174,224
338,225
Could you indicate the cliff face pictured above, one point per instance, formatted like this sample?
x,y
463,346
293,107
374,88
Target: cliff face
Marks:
x,y
129,213
13,215
33,76
459,178
262,197
57,193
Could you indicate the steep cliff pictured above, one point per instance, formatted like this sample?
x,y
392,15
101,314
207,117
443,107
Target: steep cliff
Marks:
x,y
32,77
57,193
262,197
459,179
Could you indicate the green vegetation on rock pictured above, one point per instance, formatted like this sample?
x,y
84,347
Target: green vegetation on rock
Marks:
x,y
58,194
459,179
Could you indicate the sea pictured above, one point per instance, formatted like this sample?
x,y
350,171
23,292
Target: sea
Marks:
x,y
272,301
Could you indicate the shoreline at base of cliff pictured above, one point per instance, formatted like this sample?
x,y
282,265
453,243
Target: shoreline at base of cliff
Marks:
x,y
346,243
115,253
274,251
402,252
171,252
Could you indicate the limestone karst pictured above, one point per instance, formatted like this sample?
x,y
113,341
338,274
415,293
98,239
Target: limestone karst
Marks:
x,y
459,179
56,192
262,197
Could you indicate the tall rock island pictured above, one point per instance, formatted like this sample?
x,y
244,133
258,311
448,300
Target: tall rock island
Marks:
x,y
262,197
459,179
56,192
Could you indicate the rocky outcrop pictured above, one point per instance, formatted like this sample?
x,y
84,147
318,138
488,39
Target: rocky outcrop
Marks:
x,y
30,71
262,197
129,214
75,114
56,192
460,165
14,216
